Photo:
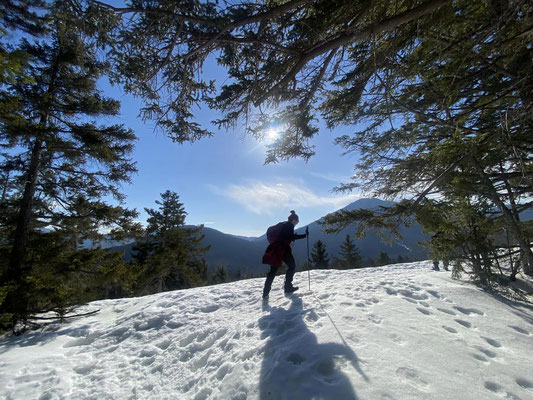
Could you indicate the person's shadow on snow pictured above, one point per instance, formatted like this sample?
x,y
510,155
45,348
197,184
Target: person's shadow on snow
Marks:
x,y
295,366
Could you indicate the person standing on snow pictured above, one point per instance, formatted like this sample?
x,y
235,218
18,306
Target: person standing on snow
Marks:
x,y
279,251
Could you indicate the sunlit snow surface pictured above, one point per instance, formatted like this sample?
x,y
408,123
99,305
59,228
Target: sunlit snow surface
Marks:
x,y
396,332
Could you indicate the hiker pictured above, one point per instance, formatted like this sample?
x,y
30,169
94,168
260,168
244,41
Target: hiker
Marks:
x,y
279,250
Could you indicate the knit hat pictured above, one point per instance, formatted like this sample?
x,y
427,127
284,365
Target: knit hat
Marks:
x,y
293,216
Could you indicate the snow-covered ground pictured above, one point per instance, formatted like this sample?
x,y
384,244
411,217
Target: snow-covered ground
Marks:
x,y
396,332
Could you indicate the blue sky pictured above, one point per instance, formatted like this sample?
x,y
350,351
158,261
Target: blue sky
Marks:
x,y
223,182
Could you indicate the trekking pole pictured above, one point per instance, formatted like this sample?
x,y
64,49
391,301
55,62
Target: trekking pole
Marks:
x,y
308,260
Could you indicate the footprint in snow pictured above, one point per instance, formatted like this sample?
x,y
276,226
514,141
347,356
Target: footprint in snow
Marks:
x,y
493,387
525,384
479,357
311,316
520,330
188,340
434,293
488,353
223,371
163,345
396,338
424,311
148,361
85,369
492,342
468,311
375,319
210,308
84,341
415,295
446,311
348,318
411,375
499,390
451,330
466,324
174,325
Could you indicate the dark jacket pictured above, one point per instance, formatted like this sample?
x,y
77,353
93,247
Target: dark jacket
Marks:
x,y
276,251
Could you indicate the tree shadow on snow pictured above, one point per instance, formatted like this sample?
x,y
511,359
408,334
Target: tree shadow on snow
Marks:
x,y
295,366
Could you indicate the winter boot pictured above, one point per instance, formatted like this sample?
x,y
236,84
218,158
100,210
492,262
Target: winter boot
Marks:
x,y
290,289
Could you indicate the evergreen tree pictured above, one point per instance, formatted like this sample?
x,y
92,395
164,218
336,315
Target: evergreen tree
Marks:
x,y
220,275
464,231
383,259
18,17
442,90
349,255
170,254
61,164
461,105
319,256
273,52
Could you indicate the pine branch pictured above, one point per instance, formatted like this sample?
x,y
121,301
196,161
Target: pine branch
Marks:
x,y
349,37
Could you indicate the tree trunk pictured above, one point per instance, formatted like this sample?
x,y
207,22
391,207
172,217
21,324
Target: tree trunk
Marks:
x,y
16,301
6,184
513,225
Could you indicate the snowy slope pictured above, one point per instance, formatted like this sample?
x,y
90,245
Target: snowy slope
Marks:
x,y
396,332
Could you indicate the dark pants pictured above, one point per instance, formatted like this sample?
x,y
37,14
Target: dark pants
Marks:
x,y
291,268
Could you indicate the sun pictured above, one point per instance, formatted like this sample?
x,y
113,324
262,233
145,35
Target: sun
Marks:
x,y
271,135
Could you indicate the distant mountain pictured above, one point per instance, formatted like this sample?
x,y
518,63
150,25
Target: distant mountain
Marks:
x,y
371,245
243,254
234,252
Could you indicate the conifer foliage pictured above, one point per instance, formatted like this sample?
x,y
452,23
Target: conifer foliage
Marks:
x,y
24,16
319,255
61,165
170,254
273,51
437,94
383,259
349,255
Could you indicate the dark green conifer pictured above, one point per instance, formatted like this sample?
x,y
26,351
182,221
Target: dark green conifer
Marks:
x,y
349,255
383,259
319,256
170,254
221,275
61,164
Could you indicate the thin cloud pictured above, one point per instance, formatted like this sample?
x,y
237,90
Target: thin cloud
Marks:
x,y
261,198
337,179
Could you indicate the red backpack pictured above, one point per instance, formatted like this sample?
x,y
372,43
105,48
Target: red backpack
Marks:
x,y
274,232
